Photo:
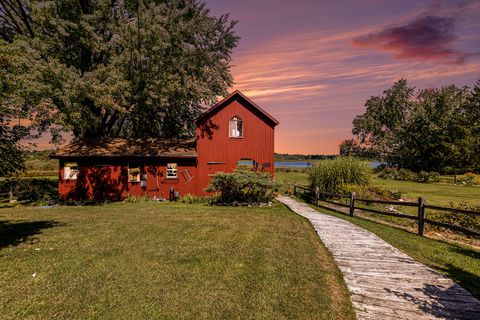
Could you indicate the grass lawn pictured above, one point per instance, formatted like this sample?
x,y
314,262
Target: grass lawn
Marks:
x,y
461,263
291,177
151,260
434,193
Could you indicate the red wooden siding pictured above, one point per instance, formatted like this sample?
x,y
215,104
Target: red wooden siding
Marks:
x,y
106,177
215,145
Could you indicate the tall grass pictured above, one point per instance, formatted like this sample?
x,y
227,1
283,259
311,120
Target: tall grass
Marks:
x,y
331,175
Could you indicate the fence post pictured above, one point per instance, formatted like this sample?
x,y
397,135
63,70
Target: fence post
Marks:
x,y
294,188
421,216
352,203
317,195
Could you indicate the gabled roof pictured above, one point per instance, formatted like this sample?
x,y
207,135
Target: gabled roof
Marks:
x,y
119,147
236,95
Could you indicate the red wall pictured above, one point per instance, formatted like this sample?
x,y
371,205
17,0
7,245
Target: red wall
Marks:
x,y
108,179
214,144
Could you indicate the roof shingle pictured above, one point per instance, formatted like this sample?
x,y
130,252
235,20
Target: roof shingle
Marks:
x,y
120,147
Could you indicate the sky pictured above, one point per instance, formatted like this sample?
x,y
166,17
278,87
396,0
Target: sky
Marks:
x,y
313,64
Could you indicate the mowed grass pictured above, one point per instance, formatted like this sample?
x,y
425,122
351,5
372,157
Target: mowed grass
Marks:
x,y
291,177
460,263
157,261
434,193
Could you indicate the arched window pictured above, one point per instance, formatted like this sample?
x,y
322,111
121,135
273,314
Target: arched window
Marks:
x,y
235,128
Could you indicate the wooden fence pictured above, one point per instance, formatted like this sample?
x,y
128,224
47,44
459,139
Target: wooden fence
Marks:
x,y
352,202
7,197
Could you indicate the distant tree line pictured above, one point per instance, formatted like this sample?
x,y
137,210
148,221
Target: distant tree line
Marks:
x,y
108,68
301,157
429,129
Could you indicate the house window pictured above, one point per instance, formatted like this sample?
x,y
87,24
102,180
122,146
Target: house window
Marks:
x,y
70,171
133,174
172,171
235,129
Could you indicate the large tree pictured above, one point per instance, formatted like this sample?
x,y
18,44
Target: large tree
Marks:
x,y
132,68
15,19
429,129
11,132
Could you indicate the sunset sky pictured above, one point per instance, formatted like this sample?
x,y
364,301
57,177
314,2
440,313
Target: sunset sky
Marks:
x,y
312,64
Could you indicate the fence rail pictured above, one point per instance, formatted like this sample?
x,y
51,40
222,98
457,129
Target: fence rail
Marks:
x,y
316,196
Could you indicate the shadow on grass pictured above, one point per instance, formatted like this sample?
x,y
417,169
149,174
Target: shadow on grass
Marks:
x,y
15,233
442,302
464,278
467,252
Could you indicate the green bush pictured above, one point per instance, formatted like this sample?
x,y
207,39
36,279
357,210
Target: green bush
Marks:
x,y
331,175
469,179
427,177
406,175
395,194
459,219
193,199
388,173
365,191
136,199
31,190
402,174
242,186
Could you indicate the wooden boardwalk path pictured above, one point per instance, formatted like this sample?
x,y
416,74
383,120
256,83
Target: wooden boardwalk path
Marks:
x,y
385,283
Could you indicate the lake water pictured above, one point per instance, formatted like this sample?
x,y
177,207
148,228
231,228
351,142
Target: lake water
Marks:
x,y
304,164
295,164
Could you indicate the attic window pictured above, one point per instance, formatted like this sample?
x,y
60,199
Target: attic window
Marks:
x,y
235,128
70,171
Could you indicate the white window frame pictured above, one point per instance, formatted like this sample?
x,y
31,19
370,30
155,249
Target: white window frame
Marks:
x,y
233,128
134,174
172,171
70,171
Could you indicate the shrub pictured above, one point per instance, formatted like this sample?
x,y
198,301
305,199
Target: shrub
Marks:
x,y
193,199
395,194
402,174
388,173
31,190
459,219
427,177
242,186
366,191
331,175
434,177
406,175
136,199
470,179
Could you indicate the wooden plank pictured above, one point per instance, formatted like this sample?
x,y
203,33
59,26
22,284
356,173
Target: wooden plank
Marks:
x,y
453,227
396,203
463,211
393,214
385,283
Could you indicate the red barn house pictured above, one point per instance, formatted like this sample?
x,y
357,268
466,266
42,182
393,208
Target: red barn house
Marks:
x,y
233,130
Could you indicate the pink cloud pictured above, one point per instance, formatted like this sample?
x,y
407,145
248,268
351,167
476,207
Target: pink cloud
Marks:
x,y
426,38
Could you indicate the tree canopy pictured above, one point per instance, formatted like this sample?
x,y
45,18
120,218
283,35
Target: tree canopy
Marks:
x,y
429,129
98,68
